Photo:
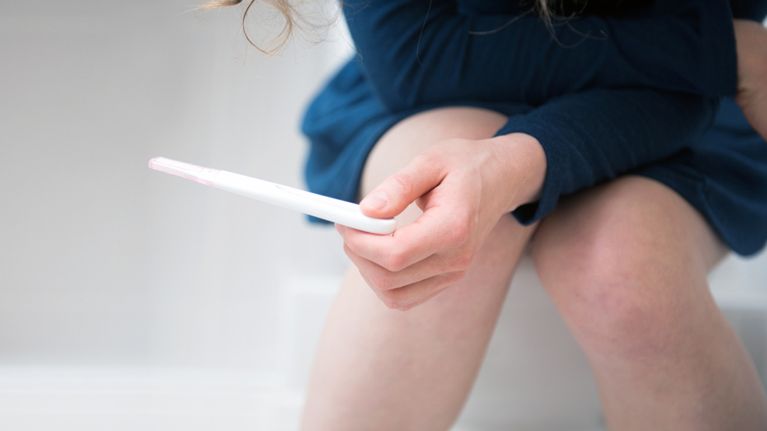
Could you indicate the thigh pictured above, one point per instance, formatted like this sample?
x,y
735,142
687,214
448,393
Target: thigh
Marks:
x,y
413,369
415,134
638,216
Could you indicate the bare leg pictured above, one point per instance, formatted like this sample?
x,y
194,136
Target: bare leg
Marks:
x,y
383,369
626,265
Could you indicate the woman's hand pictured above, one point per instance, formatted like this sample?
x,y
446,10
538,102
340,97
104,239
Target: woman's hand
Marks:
x,y
751,40
463,188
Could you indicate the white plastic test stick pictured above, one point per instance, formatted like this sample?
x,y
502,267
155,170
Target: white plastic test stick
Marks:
x,y
334,210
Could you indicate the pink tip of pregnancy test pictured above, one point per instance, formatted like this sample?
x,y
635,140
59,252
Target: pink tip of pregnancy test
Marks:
x,y
179,169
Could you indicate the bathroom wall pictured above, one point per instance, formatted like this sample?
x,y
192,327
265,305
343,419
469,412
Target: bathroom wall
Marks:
x,y
104,261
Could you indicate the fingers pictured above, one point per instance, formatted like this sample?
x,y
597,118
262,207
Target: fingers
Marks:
x,y
408,297
414,284
430,233
399,190
381,278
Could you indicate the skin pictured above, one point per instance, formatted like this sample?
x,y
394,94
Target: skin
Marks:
x,y
751,39
626,264
629,280
379,368
455,185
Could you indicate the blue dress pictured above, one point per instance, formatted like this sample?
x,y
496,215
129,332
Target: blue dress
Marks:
x,y
644,89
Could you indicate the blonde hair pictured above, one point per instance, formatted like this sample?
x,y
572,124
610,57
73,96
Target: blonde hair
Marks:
x,y
287,10
282,6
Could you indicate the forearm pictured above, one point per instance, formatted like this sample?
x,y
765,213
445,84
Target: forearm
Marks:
x,y
597,135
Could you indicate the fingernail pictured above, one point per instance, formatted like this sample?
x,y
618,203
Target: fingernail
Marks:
x,y
375,202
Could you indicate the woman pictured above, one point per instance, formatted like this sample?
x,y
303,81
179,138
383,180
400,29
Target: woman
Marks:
x,y
595,133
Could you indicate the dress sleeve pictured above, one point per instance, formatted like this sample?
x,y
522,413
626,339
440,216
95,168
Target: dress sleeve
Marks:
x,y
599,134
424,52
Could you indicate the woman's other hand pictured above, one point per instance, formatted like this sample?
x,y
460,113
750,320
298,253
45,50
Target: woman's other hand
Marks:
x,y
463,187
751,40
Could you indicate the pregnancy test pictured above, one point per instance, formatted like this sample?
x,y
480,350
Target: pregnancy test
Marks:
x,y
334,210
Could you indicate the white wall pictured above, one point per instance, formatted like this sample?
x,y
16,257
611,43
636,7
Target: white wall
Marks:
x,y
103,261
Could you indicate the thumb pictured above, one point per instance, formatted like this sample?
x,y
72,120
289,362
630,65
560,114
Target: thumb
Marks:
x,y
399,190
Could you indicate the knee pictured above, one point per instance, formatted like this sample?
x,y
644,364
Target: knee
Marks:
x,y
613,283
604,291
411,136
446,123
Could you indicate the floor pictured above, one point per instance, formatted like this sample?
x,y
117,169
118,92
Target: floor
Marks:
x,y
46,398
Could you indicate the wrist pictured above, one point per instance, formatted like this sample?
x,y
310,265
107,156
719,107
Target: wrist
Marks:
x,y
522,163
750,38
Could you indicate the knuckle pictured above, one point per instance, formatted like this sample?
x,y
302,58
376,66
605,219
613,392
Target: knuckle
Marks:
x,y
463,260
390,300
404,306
459,234
427,158
371,280
457,276
381,283
403,183
349,243
395,261
395,301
